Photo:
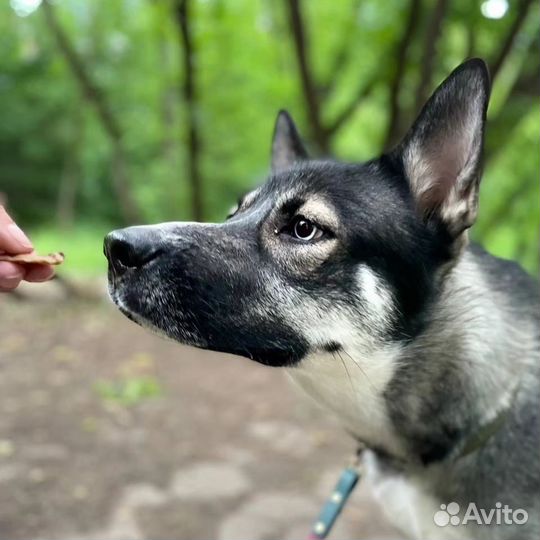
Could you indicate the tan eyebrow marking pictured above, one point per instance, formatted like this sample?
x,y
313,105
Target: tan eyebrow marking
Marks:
x,y
319,210
249,198
243,203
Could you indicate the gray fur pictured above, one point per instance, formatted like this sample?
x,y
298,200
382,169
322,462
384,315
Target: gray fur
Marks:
x,y
479,355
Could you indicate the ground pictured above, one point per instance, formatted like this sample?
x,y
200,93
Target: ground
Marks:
x,y
107,432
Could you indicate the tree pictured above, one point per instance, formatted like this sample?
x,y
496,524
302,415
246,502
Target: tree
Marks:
x,y
425,38
171,85
321,132
190,99
94,95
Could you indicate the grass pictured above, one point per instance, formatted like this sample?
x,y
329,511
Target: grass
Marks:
x,y
82,246
130,391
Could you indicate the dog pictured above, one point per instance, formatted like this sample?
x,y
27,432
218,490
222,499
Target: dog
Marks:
x,y
359,280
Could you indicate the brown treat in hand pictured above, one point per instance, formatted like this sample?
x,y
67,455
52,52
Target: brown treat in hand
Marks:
x,y
34,258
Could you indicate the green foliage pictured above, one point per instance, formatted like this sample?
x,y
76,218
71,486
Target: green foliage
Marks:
x,y
509,215
130,391
82,245
246,70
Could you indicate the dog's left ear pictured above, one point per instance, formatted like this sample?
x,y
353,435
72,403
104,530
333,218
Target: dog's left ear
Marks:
x,y
287,146
442,153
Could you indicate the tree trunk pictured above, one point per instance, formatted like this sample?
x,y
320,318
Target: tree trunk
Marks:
x,y
319,135
69,180
522,96
189,91
168,106
94,95
429,48
507,44
395,120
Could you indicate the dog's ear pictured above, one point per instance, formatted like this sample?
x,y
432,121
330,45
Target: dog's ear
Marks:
x,y
442,153
287,147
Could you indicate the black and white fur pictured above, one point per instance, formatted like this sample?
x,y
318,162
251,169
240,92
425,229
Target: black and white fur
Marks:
x,y
359,280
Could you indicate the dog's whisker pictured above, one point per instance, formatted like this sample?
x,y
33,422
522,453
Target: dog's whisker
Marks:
x,y
357,364
346,371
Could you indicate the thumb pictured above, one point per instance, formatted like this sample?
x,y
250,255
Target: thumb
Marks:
x,y
12,239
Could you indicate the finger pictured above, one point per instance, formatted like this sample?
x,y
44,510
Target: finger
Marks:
x,y
10,275
12,239
38,272
5,218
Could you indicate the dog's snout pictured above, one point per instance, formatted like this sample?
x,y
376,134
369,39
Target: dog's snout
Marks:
x,y
129,248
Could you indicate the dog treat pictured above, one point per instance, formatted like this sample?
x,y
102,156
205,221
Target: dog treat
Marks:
x,y
34,258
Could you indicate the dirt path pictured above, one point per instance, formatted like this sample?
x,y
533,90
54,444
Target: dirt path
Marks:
x,y
107,432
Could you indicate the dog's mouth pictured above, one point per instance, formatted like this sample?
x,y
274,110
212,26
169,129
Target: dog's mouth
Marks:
x,y
126,312
120,304
269,356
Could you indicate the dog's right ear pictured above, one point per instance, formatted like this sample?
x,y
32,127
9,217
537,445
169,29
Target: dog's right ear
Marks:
x,y
287,146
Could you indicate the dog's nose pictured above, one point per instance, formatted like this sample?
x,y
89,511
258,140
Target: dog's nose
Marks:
x,y
129,248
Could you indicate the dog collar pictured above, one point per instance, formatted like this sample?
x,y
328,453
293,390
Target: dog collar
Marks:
x,y
481,437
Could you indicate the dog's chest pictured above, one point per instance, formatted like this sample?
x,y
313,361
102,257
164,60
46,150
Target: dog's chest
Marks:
x,y
406,503
354,392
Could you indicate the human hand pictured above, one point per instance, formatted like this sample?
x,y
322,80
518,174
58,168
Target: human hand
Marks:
x,y
13,241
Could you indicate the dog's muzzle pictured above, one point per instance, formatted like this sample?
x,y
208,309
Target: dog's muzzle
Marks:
x,y
128,249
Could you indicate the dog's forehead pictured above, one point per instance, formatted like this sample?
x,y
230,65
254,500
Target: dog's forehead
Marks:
x,y
304,180
343,185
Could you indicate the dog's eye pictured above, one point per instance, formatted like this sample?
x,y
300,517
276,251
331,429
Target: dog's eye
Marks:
x,y
304,230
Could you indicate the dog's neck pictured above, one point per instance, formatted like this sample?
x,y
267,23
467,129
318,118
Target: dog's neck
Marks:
x,y
463,370
422,401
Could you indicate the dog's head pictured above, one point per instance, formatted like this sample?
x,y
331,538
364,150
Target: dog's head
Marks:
x,y
323,252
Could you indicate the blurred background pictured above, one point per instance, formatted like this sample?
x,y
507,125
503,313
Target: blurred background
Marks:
x,y
115,112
